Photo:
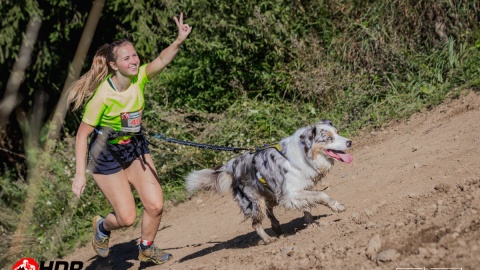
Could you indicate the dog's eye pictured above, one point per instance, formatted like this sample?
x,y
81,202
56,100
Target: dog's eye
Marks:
x,y
329,139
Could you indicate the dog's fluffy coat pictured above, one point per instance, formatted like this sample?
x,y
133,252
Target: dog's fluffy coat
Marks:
x,y
283,175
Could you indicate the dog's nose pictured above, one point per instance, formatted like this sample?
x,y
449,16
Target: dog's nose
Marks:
x,y
349,143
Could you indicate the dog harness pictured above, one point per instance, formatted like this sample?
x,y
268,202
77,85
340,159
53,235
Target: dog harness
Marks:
x,y
257,174
263,181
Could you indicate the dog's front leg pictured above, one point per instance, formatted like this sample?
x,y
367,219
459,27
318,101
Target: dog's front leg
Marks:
x,y
321,197
336,206
324,199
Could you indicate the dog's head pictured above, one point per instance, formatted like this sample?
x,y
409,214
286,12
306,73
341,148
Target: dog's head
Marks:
x,y
323,139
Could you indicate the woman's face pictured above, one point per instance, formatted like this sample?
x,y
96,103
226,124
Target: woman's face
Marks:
x,y
127,61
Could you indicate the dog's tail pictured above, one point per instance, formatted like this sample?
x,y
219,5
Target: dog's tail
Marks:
x,y
209,179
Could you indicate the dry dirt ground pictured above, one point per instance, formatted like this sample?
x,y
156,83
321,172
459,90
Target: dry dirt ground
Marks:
x,y
412,195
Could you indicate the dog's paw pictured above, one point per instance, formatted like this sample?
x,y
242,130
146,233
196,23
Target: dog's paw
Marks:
x,y
336,206
269,240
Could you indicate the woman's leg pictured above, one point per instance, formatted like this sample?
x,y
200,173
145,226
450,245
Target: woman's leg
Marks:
x,y
116,189
118,192
144,179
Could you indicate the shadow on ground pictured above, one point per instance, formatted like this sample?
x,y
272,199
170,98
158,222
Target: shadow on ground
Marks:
x,y
118,259
250,239
121,255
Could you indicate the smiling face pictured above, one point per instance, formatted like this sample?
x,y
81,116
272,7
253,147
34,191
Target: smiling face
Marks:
x,y
126,60
323,139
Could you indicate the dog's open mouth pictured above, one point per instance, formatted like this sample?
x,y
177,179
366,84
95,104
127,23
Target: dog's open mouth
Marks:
x,y
339,155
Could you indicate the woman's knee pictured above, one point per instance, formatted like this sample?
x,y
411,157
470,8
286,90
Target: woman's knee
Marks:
x,y
154,208
126,219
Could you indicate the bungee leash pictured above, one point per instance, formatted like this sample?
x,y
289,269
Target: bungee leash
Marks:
x,y
111,135
214,147
198,145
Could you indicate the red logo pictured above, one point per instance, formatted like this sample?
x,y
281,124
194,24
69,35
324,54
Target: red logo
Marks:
x,y
125,115
26,264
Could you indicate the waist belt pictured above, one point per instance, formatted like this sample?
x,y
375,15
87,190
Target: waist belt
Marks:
x,y
112,135
109,135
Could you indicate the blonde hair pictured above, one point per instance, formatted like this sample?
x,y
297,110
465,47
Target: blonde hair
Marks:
x,y
84,88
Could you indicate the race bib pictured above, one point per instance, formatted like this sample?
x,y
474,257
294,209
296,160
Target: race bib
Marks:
x,y
131,121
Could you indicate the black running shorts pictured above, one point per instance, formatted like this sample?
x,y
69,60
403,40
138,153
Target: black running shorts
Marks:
x,y
106,158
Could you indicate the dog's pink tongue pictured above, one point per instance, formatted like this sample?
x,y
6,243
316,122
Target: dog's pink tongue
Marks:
x,y
347,158
339,155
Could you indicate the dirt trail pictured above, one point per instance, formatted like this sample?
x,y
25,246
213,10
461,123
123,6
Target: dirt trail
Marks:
x,y
412,195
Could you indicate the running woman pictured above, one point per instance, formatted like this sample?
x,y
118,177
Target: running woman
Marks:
x,y
118,154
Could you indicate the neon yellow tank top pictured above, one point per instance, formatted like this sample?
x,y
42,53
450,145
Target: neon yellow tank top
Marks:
x,y
121,111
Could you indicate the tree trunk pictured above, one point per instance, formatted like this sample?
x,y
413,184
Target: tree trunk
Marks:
x,y
11,98
39,166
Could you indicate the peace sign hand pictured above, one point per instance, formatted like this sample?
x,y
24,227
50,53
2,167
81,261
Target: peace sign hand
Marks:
x,y
183,29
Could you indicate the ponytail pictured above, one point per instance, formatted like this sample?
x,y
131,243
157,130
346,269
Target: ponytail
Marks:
x,y
83,89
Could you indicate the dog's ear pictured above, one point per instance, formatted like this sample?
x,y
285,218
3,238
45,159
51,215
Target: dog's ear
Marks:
x,y
307,138
325,121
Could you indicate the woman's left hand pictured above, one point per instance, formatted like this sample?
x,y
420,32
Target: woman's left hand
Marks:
x,y
183,29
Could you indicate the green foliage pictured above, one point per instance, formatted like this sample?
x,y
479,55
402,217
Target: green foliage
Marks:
x,y
236,48
12,193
